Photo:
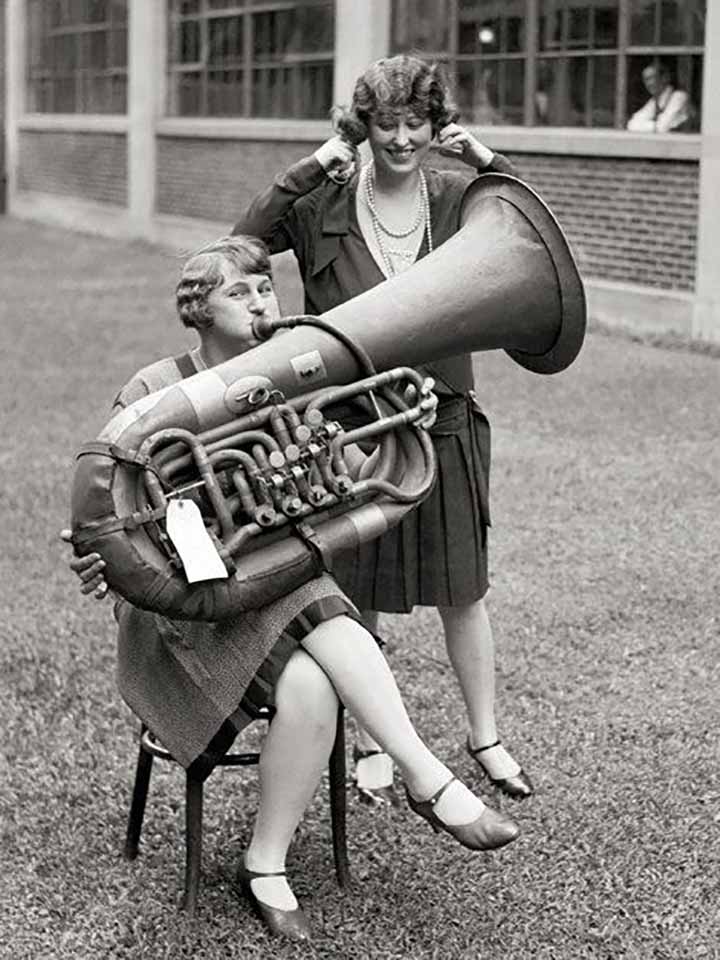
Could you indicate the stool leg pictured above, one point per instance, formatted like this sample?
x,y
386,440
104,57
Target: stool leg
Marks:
x,y
338,805
193,842
137,805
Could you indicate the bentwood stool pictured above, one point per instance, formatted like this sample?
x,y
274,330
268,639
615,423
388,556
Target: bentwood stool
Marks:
x,y
195,778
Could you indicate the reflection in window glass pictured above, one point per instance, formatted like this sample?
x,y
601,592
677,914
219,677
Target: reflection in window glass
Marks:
x,y
285,92
667,22
491,93
565,25
421,25
602,104
225,41
682,22
77,56
482,34
642,21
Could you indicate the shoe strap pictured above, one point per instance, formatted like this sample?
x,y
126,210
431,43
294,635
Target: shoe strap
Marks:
x,y
436,796
488,746
254,875
360,754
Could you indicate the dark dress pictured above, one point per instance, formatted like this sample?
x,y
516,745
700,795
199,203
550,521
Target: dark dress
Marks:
x,y
438,554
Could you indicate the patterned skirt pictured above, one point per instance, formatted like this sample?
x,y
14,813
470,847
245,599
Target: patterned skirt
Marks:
x,y
261,692
438,554
192,681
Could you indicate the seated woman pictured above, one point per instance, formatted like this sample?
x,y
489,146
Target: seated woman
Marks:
x,y
192,681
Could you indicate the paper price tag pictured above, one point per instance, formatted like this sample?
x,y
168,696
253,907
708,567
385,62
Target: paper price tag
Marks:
x,y
198,553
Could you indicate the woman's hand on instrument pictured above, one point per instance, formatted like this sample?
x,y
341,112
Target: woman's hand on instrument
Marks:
x,y
337,158
428,402
89,569
456,141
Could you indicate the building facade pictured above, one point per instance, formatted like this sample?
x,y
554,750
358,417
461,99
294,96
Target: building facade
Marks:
x,y
161,118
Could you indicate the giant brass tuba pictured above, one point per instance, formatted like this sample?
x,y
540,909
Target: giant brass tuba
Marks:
x,y
253,437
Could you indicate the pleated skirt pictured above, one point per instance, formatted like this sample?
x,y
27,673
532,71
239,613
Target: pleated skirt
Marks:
x,y
438,554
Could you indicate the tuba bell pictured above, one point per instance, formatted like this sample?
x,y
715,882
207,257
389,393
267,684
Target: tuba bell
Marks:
x,y
258,440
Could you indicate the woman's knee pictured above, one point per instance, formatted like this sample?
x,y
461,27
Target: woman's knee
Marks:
x,y
305,688
463,614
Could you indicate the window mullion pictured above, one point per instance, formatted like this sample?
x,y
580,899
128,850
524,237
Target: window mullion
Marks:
x,y
621,67
248,39
453,27
531,63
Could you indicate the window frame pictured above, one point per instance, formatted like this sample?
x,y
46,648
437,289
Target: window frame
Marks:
x,y
247,65
532,57
38,72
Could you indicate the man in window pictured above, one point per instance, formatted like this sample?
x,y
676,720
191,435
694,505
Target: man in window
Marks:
x,y
668,110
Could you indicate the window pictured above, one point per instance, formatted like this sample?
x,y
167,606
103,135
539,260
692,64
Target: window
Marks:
x,y
250,58
569,63
77,56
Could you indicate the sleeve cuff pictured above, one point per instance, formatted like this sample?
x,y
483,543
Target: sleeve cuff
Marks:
x,y
303,176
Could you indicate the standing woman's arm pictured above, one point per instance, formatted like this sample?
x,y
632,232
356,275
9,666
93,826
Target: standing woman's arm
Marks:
x,y
456,141
269,216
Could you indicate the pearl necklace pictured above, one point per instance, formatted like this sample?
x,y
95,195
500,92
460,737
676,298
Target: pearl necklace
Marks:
x,y
379,227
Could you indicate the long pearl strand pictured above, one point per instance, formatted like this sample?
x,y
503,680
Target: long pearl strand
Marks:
x,y
379,227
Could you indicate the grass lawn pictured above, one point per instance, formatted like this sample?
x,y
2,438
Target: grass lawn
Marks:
x,y
605,570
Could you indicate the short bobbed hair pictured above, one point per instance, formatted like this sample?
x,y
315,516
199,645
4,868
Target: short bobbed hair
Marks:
x,y
403,82
203,272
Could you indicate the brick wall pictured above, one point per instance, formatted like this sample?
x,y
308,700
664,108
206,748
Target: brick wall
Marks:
x,y
92,166
216,179
630,220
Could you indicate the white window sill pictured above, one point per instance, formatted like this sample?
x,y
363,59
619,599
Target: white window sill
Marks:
x,y
75,122
567,141
599,143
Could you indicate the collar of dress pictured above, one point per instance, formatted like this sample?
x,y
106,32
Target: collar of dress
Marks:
x,y
337,211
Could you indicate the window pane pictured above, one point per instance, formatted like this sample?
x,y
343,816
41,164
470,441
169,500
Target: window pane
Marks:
x,y
188,49
606,26
97,11
225,40
486,26
602,95
551,26
642,21
289,60
562,99
578,31
301,91
421,25
302,30
73,53
491,92
682,22
568,25
684,73
189,94
225,93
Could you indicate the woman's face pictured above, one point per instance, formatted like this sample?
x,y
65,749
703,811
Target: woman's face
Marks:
x,y
237,302
399,139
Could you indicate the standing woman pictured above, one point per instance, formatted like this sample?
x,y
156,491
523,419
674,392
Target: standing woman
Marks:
x,y
350,229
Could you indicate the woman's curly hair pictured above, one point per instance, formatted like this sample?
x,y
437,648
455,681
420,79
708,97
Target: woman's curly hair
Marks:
x,y
401,82
202,273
